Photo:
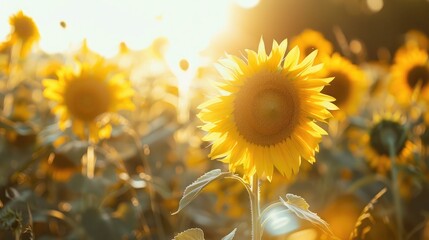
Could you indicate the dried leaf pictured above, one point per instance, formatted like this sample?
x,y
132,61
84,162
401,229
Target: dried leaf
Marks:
x,y
364,222
230,236
190,234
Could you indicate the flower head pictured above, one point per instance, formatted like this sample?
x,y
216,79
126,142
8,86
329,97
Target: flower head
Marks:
x,y
310,40
387,136
24,30
84,95
410,76
348,87
265,116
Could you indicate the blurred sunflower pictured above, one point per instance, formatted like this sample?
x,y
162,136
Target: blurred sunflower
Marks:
x,y
413,39
410,75
348,87
24,31
310,40
267,112
82,96
387,129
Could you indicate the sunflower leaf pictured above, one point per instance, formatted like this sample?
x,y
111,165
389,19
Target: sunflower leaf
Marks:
x,y
230,236
192,191
190,234
299,206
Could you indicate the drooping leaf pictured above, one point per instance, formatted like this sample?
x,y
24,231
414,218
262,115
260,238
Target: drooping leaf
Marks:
x,y
364,222
192,191
300,207
190,234
230,236
277,219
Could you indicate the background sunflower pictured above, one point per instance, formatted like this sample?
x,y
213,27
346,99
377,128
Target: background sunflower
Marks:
x,y
84,95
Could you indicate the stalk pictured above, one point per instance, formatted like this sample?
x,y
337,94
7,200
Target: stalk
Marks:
x,y
255,208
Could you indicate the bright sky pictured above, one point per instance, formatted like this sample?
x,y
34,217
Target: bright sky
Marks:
x,y
188,24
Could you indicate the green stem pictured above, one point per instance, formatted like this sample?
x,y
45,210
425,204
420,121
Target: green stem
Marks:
x,y
255,208
395,191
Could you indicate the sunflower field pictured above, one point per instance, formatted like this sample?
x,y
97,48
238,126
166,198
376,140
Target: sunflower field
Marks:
x,y
204,119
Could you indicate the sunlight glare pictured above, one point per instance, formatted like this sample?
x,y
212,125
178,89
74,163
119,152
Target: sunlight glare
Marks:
x,y
188,24
247,3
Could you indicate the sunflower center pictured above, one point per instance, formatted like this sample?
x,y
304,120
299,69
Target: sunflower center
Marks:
x,y
339,88
24,28
418,74
87,98
266,109
384,131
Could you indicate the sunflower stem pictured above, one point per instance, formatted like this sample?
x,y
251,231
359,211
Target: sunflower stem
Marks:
x,y
255,208
395,189
90,161
11,81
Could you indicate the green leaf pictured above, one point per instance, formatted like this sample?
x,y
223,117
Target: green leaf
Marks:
x,y
192,191
230,236
277,219
190,234
300,207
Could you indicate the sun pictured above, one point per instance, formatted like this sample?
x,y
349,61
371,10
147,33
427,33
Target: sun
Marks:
x,y
266,112
410,76
82,96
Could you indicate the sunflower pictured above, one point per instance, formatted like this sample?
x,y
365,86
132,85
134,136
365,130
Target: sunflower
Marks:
x,y
265,115
387,127
410,75
310,40
24,31
348,87
82,96
413,39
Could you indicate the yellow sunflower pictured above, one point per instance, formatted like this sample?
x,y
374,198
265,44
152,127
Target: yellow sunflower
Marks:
x,y
82,96
387,127
265,115
24,31
310,40
348,87
413,39
410,76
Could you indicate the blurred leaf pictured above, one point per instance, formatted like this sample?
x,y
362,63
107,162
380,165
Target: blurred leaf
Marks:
x,y
230,236
24,129
20,128
98,225
278,219
50,133
192,191
300,207
7,124
190,234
